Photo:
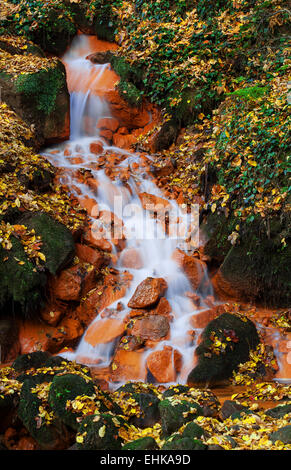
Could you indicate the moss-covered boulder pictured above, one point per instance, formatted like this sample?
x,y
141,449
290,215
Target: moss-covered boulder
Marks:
x,y
40,98
100,432
175,412
177,442
193,430
258,266
282,435
279,411
43,425
144,407
35,360
226,343
144,443
67,387
57,241
205,398
21,284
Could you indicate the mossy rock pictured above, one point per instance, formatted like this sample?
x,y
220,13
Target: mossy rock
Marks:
x,y
193,430
215,366
144,443
100,432
147,407
40,179
21,285
175,413
279,411
257,267
138,387
8,336
176,390
8,407
41,99
57,242
36,360
68,387
50,434
282,434
184,443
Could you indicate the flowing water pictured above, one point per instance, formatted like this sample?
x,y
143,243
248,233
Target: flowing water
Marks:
x,y
87,85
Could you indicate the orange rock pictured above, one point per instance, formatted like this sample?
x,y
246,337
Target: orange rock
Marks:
x,y
148,292
26,443
130,258
92,237
93,185
124,141
104,331
51,315
100,298
110,124
90,205
123,131
76,160
90,255
193,267
203,317
96,147
128,365
72,282
106,134
163,308
128,116
153,203
225,289
163,366
153,327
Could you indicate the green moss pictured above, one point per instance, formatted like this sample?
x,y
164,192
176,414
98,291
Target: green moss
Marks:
x,y
100,432
130,93
215,365
20,284
41,88
48,434
175,413
144,443
57,242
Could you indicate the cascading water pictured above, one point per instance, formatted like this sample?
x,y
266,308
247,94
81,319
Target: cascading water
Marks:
x,y
86,83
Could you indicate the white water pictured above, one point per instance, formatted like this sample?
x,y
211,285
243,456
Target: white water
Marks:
x,y
155,249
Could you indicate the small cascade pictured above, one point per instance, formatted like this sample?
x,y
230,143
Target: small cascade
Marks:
x,y
145,235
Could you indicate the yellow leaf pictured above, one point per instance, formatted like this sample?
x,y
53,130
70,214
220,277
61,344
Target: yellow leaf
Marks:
x,y
42,256
102,431
252,163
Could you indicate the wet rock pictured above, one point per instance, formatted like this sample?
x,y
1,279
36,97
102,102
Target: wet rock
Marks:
x,y
73,282
92,256
144,443
194,268
128,365
148,292
110,124
34,360
96,147
153,203
130,258
218,356
51,314
163,168
104,331
164,365
201,319
102,57
124,141
100,432
164,137
152,327
282,435
68,387
128,116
